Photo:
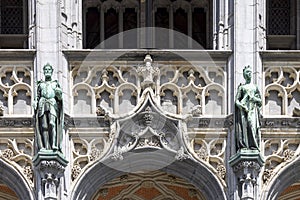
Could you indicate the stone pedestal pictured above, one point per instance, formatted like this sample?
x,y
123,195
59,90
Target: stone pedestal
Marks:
x,y
246,165
50,167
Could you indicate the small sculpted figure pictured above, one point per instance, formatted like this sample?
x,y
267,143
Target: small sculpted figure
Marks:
x,y
247,111
49,112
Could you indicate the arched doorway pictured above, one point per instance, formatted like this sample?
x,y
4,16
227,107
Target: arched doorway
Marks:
x,y
6,193
292,192
193,172
12,183
155,185
284,183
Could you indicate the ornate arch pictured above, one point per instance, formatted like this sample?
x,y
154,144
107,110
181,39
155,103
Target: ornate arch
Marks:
x,y
189,169
148,140
14,180
289,175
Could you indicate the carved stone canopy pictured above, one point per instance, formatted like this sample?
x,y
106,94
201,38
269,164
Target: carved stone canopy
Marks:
x,y
246,165
50,167
147,130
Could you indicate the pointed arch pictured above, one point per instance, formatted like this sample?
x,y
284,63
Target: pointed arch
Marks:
x,y
190,170
14,180
288,176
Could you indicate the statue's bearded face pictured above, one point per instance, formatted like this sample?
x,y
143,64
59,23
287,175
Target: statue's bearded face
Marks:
x,y
48,71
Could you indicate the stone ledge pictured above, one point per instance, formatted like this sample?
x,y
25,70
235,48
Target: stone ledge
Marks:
x,y
246,155
49,155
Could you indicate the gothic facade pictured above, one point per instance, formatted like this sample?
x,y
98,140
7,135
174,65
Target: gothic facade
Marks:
x,y
148,92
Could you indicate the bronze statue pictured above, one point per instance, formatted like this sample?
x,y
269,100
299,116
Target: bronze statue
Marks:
x,y
247,112
49,112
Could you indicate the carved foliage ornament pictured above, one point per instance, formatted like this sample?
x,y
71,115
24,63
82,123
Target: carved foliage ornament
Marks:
x,y
278,153
18,153
211,152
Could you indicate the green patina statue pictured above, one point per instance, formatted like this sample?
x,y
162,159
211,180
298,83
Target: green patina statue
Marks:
x,y
49,113
247,109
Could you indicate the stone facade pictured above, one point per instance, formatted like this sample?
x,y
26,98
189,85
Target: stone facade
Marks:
x,y
149,111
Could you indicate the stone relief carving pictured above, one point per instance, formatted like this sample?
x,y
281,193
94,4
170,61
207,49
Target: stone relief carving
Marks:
x,y
15,90
179,89
148,72
51,171
211,151
282,90
86,152
18,153
139,112
278,153
148,129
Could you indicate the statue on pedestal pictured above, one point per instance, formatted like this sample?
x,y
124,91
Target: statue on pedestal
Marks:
x,y
49,113
247,111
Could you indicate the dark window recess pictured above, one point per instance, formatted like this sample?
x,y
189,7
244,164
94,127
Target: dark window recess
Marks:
x,y
162,21
279,17
111,24
180,25
92,28
130,25
162,18
12,17
199,26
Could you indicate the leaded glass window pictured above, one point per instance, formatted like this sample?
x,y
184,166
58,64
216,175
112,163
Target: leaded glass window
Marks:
x,y
12,17
279,17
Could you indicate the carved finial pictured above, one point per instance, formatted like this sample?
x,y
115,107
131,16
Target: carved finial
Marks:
x,y
148,72
104,75
1,110
191,76
148,59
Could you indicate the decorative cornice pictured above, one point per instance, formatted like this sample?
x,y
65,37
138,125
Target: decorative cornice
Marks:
x,y
19,122
246,164
214,122
292,122
17,55
139,54
83,122
282,55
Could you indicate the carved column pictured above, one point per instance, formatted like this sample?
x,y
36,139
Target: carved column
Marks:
x,y
246,165
49,170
